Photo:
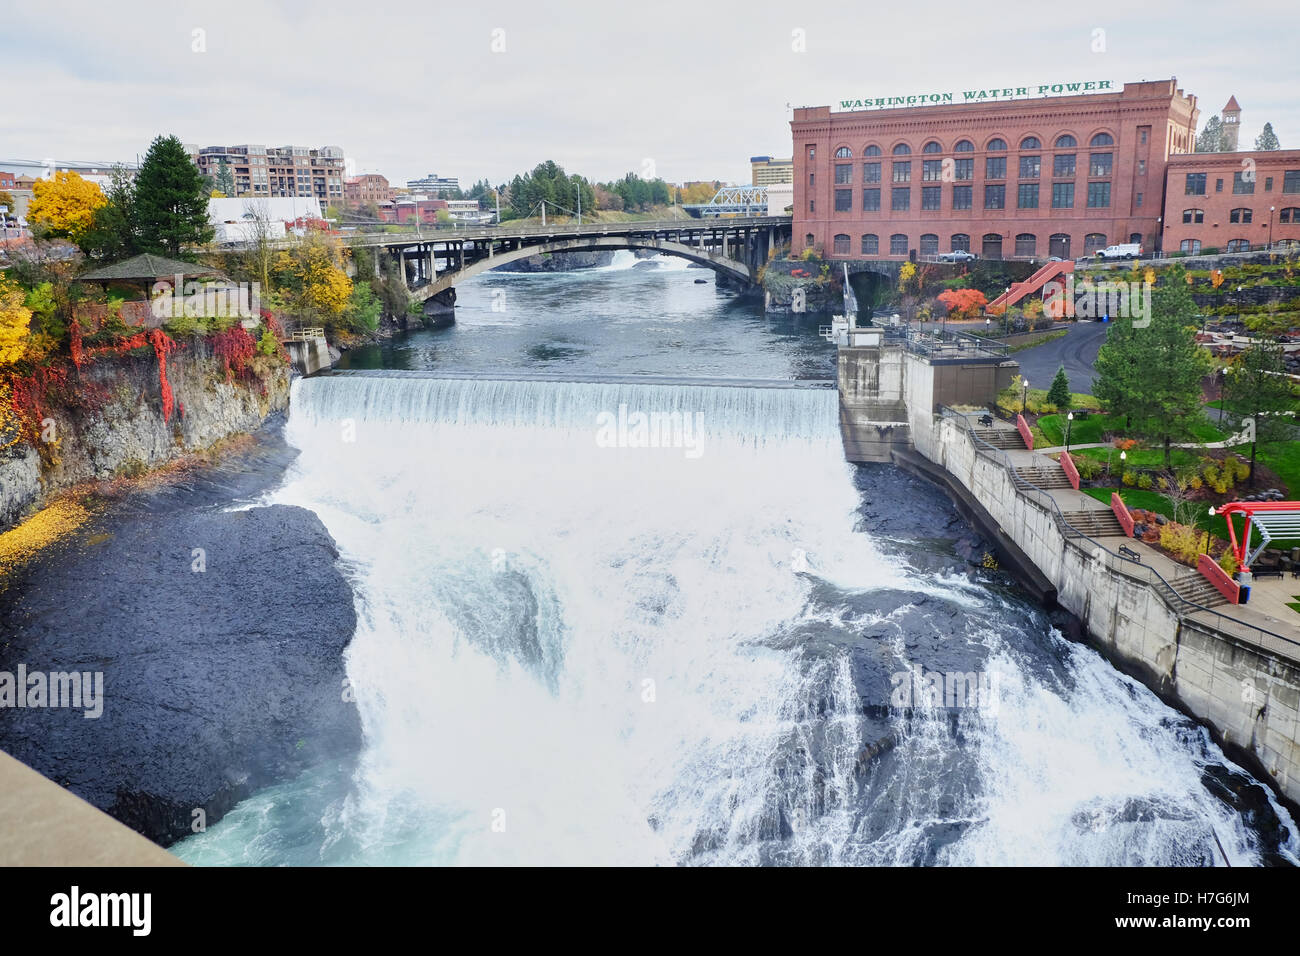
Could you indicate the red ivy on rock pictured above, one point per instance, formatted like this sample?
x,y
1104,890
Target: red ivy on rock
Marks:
x,y
235,347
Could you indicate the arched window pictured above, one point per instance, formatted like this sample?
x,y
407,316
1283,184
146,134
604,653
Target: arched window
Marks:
x,y
902,149
898,244
1058,245
1093,241
964,146
870,244
808,241
1289,214
1239,245
929,244
992,245
841,245
932,147
1026,245
1190,245
1241,215
1066,141
1101,139
960,242
844,153
1135,237
997,145
871,151
1030,142
1193,215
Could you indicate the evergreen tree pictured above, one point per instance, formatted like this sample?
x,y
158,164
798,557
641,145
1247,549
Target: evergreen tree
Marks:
x,y
112,233
1059,393
171,208
1152,375
1212,138
1257,387
1267,139
225,178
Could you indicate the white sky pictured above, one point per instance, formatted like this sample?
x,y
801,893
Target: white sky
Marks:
x,y
408,88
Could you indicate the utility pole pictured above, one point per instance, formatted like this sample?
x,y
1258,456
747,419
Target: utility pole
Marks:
x,y
543,212
579,178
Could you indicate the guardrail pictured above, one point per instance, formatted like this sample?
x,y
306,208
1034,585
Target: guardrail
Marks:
x,y
935,341
509,230
306,335
1179,605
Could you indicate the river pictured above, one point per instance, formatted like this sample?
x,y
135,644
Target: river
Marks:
x,y
694,637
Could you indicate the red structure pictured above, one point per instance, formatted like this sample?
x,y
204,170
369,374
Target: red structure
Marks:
x,y
1071,472
1023,427
1272,519
1121,512
1229,588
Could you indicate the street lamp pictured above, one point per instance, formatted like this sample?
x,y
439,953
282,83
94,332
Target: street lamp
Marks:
x,y
1270,232
1024,398
1207,531
1006,311
1123,456
1069,422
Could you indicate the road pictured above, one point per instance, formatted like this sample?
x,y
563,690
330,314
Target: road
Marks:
x,y
1077,349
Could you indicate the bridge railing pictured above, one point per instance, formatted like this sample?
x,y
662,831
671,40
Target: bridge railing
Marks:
x,y
509,230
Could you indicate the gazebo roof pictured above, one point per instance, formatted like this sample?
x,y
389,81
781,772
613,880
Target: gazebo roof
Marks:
x,y
146,266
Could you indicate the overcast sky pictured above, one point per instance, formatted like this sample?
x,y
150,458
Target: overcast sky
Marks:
x,y
696,87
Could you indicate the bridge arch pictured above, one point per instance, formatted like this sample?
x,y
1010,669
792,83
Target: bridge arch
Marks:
x,y
724,265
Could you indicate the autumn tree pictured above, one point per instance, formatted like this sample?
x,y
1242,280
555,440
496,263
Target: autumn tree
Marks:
x,y
313,274
15,321
64,205
963,303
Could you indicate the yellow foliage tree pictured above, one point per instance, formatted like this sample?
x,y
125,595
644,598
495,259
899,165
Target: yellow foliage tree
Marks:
x,y
322,288
65,204
15,321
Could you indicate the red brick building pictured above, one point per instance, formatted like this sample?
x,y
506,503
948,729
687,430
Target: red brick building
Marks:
x,y
367,188
1009,178
1231,201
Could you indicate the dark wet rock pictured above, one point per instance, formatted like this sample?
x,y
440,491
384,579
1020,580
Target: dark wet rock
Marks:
x,y
215,682
1251,800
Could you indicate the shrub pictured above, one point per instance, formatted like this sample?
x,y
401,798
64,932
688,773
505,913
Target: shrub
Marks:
x,y
1088,467
1221,486
1195,483
1180,541
1129,478
1144,481
1211,474
1228,561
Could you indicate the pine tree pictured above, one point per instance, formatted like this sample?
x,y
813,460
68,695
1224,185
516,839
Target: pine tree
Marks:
x,y
1152,374
1267,139
1258,388
1059,393
1212,139
171,208
225,178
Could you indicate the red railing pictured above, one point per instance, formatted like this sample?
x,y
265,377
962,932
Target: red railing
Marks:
x,y
1121,512
1229,588
1025,433
1071,472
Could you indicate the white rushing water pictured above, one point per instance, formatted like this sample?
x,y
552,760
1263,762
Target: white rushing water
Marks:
x,y
574,650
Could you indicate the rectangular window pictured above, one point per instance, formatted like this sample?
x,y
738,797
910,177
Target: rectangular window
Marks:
x,y
1062,195
812,179
1030,167
812,152
843,200
903,172
1099,164
1063,166
898,245
871,172
1098,195
1268,184
931,170
995,197
1142,167
1218,185
1241,186
843,173
812,205
901,199
1143,132
1291,181
1027,196
1195,185
1139,200
931,197
964,169
995,167
1243,216
871,200
961,197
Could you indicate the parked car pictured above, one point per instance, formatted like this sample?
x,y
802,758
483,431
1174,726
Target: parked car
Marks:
x,y
958,255
1124,250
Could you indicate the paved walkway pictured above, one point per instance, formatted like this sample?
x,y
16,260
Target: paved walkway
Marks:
x,y
1267,608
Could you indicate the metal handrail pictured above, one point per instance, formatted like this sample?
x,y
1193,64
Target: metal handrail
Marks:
x,y
1125,564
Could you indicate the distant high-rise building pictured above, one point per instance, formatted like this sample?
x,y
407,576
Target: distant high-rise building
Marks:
x,y
433,184
1231,125
290,172
766,170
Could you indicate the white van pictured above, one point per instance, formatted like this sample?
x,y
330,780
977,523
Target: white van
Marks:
x,y
1125,250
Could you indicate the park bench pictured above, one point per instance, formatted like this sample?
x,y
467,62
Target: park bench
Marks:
x,y
1127,552
986,421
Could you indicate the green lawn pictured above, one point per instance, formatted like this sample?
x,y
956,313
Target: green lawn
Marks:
x,y
1139,457
1154,501
1096,427
1283,458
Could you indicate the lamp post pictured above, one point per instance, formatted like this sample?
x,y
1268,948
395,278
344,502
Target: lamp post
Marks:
x,y
1069,422
1207,532
1006,312
1123,456
1024,397
1270,232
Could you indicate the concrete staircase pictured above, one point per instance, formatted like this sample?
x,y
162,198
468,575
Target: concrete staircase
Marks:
x,y
1044,476
1094,522
1007,438
1031,285
1192,586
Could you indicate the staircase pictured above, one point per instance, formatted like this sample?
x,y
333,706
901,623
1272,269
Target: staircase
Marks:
x,y
1031,285
1045,477
1192,586
1008,438
1094,522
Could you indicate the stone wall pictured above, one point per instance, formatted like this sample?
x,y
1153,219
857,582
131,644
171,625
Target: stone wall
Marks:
x,y
127,434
